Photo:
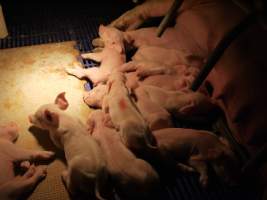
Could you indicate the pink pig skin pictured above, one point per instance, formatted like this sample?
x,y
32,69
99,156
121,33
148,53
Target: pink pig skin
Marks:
x,y
132,177
94,97
192,105
199,26
193,149
167,78
166,56
86,173
125,116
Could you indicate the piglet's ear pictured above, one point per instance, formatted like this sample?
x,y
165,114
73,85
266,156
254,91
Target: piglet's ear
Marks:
x,y
51,118
61,101
101,29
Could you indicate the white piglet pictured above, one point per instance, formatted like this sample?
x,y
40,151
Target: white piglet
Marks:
x,y
125,116
86,173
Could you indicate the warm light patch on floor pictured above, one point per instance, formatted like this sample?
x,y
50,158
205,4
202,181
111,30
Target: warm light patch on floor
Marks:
x,y
32,76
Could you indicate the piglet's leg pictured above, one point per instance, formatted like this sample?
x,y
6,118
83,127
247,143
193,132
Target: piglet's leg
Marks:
x,y
184,168
91,100
93,56
201,168
128,67
94,74
145,72
66,180
77,71
94,97
97,50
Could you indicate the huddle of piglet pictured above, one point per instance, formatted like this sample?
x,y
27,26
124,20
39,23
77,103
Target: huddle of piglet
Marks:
x,y
86,173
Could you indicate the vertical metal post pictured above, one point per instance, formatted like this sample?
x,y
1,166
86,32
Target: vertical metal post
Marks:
x,y
169,17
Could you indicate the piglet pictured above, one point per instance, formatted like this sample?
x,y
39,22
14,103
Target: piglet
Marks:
x,y
111,57
184,103
174,77
11,186
167,56
132,177
94,97
86,172
156,116
125,116
193,149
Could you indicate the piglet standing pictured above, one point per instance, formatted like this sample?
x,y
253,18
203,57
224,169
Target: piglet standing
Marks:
x,y
132,177
86,173
11,186
111,57
125,116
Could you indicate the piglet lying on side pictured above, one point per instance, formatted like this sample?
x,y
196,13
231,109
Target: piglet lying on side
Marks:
x,y
86,173
174,77
132,177
111,57
186,103
13,187
125,116
193,149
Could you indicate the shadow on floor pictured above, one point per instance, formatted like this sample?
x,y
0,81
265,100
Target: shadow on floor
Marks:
x,y
44,140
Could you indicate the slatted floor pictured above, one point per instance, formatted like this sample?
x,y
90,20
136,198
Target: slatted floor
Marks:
x,y
45,26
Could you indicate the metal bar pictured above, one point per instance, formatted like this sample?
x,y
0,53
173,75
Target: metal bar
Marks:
x,y
168,17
